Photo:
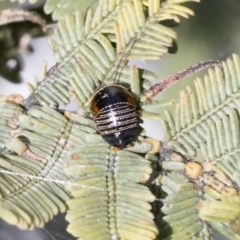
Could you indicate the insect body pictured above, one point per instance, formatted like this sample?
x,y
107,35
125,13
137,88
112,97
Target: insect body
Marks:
x,y
114,110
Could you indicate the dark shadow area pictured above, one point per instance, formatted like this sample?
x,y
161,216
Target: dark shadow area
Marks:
x,y
53,230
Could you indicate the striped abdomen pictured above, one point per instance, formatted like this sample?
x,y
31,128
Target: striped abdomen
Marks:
x,y
114,110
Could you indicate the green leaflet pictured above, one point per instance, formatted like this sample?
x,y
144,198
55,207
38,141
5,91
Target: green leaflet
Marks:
x,y
178,200
9,113
223,214
222,143
108,198
59,8
104,190
181,220
82,86
198,116
186,203
83,42
31,156
221,211
109,201
219,141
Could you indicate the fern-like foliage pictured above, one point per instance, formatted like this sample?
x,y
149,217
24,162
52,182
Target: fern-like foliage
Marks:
x,y
186,188
61,8
223,215
82,43
100,177
32,149
207,118
222,143
180,219
113,202
53,162
198,109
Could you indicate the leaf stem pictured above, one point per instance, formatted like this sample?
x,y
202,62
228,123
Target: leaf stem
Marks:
x,y
159,87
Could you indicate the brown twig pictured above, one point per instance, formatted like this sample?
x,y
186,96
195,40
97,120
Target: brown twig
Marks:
x,y
159,87
19,15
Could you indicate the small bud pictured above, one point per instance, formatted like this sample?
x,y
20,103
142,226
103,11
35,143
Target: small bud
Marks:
x,y
15,98
193,169
16,145
235,225
156,146
228,191
176,157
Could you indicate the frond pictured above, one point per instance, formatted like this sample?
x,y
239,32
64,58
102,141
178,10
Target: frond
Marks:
x,y
138,27
111,200
34,187
198,109
60,8
192,194
9,113
222,147
82,43
52,162
178,218
81,86
31,154
222,214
